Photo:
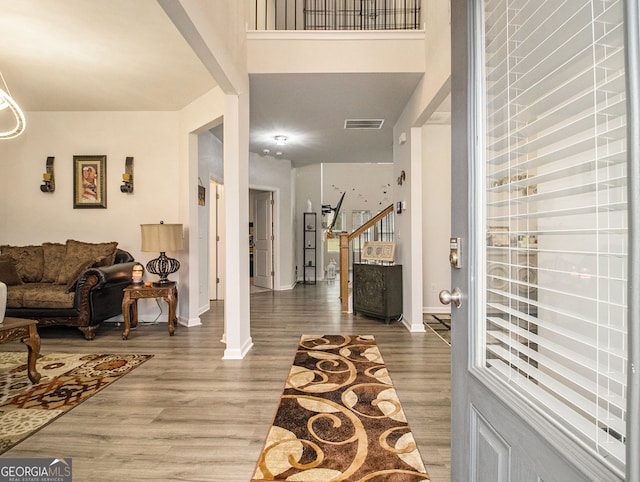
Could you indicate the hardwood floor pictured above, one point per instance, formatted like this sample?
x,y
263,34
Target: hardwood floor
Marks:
x,y
186,414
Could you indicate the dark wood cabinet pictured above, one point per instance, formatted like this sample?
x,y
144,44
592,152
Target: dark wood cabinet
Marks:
x,y
377,290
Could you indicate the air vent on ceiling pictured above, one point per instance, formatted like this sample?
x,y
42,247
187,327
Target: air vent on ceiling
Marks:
x,y
363,123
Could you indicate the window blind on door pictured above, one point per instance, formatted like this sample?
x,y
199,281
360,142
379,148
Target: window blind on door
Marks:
x,y
555,324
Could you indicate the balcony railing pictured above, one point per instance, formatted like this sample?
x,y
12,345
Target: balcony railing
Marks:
x,y
337,15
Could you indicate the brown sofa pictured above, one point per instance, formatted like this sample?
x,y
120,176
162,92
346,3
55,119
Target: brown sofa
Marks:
x,y
75,284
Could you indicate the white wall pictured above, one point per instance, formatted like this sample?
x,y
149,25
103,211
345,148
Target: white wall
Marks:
x,y
308,185
210,157
366,187
408,156
436,214
29,216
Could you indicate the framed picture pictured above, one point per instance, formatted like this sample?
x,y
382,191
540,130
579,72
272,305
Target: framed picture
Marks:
x,y
89,182
379,251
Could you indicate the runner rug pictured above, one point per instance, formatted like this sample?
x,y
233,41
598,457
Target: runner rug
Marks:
x,y
339,418
66,381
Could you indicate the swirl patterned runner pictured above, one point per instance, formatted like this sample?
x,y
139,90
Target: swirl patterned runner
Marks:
x,y
339,418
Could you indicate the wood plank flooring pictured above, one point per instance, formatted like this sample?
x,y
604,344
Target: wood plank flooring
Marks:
x,y
186,414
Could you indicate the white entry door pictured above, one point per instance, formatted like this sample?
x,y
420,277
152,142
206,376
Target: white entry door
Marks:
x,y
263,240
540,341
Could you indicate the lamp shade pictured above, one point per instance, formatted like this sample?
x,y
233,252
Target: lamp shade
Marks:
x,y
161,237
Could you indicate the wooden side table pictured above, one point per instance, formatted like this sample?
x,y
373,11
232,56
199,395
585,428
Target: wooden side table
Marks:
x,y
132,293
14,329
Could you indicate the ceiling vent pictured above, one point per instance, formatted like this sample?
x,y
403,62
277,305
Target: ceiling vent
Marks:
x,y
363,123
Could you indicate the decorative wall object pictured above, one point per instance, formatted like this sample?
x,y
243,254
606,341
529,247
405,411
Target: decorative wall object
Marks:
x,y
202,192
379,251
89,182
49,180
127,177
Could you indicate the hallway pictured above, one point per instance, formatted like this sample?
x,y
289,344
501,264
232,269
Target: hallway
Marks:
x,y
189,415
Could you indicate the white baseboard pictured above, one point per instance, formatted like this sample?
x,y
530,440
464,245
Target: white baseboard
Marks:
x,y
204,308
436,309
189,322
238,354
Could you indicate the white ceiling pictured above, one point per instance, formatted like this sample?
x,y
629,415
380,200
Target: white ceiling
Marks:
x,y
311,109
78,55
113,55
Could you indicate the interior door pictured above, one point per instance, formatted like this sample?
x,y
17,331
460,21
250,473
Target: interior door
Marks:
x,y
539,204
263,240
216,241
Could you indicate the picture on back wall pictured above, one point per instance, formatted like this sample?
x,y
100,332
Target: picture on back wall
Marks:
x,y
89,182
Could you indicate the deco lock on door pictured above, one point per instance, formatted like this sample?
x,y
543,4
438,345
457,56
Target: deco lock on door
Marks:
x,y
455,253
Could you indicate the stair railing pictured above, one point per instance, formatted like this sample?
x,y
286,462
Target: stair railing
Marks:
x,y
345,240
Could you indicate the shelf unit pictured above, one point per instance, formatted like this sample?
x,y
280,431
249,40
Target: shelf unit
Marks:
x,y
309,256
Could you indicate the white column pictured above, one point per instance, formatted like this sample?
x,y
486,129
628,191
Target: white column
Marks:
x,y
236,184
414,322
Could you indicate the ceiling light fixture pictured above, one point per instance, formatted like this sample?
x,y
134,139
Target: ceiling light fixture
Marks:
x,y
281,140
6,101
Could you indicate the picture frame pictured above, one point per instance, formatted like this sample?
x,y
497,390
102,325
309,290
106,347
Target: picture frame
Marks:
x,y
89,182
202,193
379,251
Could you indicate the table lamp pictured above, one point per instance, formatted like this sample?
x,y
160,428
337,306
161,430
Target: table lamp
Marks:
x,y
161,238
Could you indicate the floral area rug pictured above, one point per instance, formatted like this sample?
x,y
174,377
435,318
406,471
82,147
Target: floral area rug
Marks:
x,y
66,380
339,418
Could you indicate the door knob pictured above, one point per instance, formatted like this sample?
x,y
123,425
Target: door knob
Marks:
x,y
447,297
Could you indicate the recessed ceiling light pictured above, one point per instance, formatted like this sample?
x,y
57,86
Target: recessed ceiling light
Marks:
x,y
281,140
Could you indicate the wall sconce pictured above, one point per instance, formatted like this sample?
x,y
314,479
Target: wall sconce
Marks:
x,y
402,178
49,180
127,177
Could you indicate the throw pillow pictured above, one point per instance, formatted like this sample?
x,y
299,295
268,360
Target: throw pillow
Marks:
x,y
78,253
29,261
73,279
54,254
8,273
